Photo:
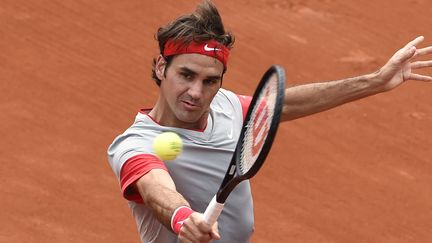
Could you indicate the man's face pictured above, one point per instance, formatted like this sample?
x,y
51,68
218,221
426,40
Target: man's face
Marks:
x,y
190,83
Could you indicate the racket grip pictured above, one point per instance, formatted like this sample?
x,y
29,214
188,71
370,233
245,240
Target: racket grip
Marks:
x,y
213,211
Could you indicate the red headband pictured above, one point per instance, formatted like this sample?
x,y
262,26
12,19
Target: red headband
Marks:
x,y
210,48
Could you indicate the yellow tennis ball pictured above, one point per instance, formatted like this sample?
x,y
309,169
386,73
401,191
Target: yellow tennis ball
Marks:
x,y
167,145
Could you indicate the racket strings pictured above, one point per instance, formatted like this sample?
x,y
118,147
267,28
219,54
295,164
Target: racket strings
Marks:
x,y
258,125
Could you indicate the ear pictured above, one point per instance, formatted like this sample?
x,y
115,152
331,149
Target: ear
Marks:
x,y
160,67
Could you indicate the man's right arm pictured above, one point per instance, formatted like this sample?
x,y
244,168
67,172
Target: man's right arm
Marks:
x,y
158,192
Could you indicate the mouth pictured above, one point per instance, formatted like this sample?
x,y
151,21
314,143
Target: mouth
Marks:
x,y
190,106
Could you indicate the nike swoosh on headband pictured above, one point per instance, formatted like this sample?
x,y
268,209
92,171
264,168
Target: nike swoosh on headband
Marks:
x,y
210,48
207,48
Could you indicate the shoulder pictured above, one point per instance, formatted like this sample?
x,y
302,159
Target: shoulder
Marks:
x,y
137,139
226,94
225,98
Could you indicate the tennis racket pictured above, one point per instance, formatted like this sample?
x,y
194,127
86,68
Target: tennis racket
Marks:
x,y
256,138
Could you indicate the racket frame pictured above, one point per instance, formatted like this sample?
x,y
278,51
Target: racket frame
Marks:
x,y
230,181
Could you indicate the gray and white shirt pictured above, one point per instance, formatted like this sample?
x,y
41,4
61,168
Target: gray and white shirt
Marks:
x,y
197,172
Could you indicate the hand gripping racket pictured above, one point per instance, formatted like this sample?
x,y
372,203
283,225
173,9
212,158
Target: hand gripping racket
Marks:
x,y
256,138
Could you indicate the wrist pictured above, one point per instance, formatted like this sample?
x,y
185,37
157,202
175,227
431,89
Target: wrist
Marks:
x,y
377,82
179,216
369,84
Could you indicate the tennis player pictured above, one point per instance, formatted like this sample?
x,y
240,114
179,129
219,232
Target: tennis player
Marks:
x,y
167,198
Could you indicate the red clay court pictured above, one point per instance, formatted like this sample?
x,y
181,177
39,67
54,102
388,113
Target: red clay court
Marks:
x,y
74,74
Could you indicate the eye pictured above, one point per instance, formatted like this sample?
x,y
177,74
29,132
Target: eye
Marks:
x,y
211,81
187,76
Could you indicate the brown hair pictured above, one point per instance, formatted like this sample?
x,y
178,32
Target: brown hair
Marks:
x,y
203,24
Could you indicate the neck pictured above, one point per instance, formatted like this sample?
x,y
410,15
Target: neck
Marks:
x,y
163,115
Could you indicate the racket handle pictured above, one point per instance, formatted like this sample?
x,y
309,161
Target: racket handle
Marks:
x,y
213,211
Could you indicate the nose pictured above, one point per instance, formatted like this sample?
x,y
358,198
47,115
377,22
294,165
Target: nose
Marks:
x,y
195,90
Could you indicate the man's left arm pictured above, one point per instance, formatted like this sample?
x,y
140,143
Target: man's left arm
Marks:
x,y
308,99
